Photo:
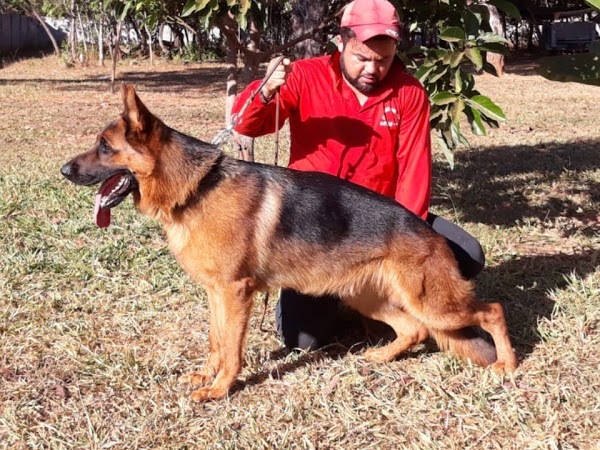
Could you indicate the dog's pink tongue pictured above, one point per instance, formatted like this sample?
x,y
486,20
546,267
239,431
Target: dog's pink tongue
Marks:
x,y
102,215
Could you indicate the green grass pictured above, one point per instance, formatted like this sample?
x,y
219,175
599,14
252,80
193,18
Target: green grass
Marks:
x,y
97,325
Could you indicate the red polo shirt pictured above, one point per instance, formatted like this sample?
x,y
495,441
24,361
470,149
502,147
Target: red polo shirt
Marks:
x,y
383,145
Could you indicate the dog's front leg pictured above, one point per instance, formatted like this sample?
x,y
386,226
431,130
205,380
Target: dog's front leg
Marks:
x,y
232,304
207,374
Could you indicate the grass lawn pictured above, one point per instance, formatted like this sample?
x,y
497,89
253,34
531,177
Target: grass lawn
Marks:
x,y
97,325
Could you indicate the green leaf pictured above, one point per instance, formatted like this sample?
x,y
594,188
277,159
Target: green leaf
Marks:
x,y
443,98
126,8
446,150
456,59
594,4
242,21
482,13
434,56
458,81
447,58
245,6
487,107
489,68
494,47
189,8
490,38
472,22
457,135
423,72
456,110
193,6
474,117
491,122
416,50
435,115
507,7
475,56
452,34
439,73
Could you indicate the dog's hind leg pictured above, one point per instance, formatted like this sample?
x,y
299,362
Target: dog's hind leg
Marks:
x,y
409,332
489,316
232,304
207,374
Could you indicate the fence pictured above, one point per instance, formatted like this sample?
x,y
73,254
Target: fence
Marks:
x,y
20,34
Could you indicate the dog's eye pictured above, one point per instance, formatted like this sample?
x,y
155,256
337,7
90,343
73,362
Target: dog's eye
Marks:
x,y
104,148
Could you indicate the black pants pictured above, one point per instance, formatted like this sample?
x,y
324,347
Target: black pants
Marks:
x,y
309,322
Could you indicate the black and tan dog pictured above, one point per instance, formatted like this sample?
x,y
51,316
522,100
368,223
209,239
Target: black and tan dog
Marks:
x,y
239,228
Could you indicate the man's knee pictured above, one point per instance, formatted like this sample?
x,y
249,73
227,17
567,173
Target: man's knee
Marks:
x,y
467,250
305,322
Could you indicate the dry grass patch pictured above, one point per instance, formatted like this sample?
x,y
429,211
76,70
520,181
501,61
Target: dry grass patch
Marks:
x,y
96,325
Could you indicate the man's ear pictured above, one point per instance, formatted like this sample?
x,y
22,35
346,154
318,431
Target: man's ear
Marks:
x,y
135,112
339,43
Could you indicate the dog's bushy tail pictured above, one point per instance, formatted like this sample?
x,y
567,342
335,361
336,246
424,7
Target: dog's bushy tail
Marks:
x,y
467,344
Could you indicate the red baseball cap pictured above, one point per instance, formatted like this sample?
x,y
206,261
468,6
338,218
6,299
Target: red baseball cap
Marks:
x,y
370,18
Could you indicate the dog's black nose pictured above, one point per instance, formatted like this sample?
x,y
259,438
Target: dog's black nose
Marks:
x,y
67,170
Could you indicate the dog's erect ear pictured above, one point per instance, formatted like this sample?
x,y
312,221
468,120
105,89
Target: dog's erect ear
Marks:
x,y
135,113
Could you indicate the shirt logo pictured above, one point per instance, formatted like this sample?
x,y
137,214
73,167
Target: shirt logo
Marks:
x,y
389,118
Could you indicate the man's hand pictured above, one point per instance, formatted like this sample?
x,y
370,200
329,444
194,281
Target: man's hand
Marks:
x,y
278,77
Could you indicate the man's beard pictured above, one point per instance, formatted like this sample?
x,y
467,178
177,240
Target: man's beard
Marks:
x,y
360,87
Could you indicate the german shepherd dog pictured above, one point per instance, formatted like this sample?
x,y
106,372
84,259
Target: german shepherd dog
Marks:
x,y
239,228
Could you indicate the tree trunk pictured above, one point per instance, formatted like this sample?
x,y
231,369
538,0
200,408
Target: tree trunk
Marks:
x,y
306,15
139,33
46,29
243,144
101,42
231,84
178,42
114,55
83,35
150,51
497,26
251,57
163,48
73,33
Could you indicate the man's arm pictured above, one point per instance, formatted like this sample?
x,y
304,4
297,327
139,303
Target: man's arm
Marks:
x,y
413,187
258,118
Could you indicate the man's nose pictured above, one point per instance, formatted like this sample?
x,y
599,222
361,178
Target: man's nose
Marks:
x,y
371,67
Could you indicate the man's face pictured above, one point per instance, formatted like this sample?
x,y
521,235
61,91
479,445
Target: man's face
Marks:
x,y
365,64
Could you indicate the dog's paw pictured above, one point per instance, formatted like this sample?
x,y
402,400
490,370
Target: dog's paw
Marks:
x,y
195,378
504,367
208,393
378,355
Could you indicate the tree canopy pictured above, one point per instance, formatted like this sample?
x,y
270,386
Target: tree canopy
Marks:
x,y
453,39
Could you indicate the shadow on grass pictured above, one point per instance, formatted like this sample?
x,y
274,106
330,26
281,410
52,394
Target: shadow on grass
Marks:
x,y
523,63
490,186
179,79
524,286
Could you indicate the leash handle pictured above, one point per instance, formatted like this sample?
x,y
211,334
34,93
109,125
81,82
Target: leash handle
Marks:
x,y
276,157
223,135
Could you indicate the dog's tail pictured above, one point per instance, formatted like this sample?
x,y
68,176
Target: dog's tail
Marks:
x,y
467,344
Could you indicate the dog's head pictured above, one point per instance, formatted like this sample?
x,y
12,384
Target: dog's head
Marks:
x,y
120,159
